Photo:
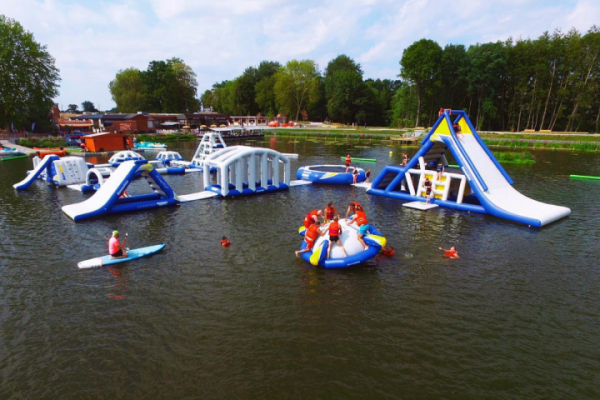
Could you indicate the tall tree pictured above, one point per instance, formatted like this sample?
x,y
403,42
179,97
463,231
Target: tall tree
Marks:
x,y
73,108
88,106
128,90
296,85
344,88
28,77
421,66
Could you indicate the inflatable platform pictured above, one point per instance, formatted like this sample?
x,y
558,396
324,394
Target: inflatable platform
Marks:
x,y
349,238
330,174
110,198
479,184
55,170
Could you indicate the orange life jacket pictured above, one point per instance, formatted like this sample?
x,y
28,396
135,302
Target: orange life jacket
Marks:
x,y
361,218
330,212
309,220
356,206
334,229
450,253
225,242
312,233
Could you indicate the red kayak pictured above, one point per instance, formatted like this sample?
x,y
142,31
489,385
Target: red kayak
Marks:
x,y
47,148
60,153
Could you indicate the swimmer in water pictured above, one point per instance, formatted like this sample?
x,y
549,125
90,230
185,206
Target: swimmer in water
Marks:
x,y
225,242
450,253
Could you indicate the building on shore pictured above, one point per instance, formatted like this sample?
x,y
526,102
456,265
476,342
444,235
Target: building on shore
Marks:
x,y
258,120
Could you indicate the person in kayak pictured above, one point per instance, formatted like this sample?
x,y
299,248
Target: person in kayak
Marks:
x,y
115,248
450,253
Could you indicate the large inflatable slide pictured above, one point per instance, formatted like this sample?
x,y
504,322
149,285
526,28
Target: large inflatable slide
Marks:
x,y
479,184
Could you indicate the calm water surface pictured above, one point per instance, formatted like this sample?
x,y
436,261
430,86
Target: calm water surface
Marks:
x,y
516,317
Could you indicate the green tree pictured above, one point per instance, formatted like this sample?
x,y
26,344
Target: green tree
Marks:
x,y
421,66
28,77
88,106
344,88
244,95
185,87
128,90
73,108
296,85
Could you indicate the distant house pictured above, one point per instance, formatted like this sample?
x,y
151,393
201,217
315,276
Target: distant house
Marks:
x,y
249,120
122,123
101,142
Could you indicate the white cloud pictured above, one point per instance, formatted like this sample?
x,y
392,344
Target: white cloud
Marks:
x,y
92,40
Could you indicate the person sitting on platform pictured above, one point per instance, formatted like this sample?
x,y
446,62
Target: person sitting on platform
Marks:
x,y
115,248
311,235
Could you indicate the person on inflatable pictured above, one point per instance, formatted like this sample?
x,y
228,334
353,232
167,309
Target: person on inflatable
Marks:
x,y
354,176
450,253
348,162
225,242
312,217
335,231
353,207
330,212
311,235
360,218
115,248
428,189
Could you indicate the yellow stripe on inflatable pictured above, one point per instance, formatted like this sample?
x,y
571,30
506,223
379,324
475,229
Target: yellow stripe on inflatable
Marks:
x,y
464,127
380,240
147,167
329,175
301,230
316,255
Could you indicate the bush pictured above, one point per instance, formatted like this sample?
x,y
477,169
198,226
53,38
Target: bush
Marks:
x,y
50,141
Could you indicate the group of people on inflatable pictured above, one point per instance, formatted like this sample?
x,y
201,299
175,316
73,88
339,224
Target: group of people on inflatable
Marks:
x,y
312,223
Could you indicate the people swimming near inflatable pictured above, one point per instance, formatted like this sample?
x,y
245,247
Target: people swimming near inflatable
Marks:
x,y
225,242
312,217
117,249
451,252
330,212
388,251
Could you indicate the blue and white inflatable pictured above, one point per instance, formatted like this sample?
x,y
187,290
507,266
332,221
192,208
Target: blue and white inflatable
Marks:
x,y
330,174
349,239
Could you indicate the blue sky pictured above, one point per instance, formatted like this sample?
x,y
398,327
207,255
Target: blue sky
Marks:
x,y
93,39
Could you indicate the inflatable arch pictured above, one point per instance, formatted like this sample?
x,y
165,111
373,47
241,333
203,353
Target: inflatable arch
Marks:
x,y
243,170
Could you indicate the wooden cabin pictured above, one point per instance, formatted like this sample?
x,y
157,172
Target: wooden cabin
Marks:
x,y
101,142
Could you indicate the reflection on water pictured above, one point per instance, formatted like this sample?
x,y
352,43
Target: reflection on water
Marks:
x,y
514,317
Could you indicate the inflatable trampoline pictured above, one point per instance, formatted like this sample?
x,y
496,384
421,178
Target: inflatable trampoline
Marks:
x,y
349,239
330,174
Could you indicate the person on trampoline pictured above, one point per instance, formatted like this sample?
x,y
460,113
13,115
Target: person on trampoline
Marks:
x,y
330,212
360,218
115,248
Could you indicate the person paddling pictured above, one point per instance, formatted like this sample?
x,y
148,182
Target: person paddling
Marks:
x,y
450,253
115,248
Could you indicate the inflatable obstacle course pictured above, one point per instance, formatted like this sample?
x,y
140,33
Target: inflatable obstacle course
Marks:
x,y
479,184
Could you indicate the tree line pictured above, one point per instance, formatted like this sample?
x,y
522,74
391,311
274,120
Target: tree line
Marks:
x,y
300,91
550,83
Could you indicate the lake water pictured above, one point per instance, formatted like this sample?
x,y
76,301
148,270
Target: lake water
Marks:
x,y
515,317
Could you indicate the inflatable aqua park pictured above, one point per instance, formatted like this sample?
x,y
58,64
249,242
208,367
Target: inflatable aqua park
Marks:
x,y
479,184
349,239
330,174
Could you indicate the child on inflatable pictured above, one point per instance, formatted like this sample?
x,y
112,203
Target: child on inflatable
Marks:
x,y
330,212
312,217
335,231
311,235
